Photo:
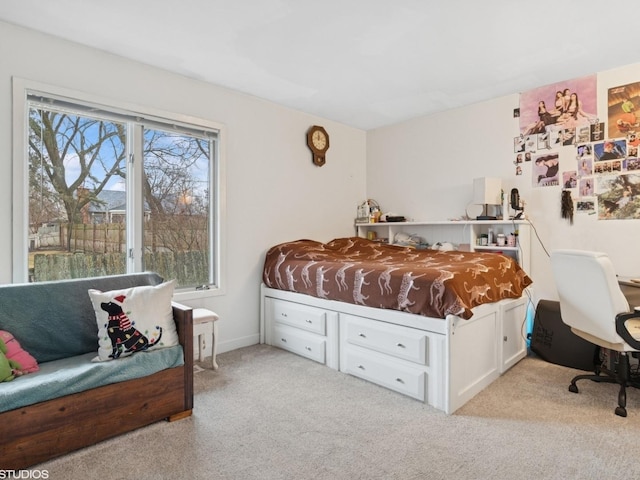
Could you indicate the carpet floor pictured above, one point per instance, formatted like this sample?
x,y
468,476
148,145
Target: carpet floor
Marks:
x,y
269,414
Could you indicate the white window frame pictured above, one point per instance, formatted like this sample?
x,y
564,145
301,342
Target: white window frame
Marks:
x,y
20,249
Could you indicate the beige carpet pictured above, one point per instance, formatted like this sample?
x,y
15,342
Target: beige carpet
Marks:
x,y
269,414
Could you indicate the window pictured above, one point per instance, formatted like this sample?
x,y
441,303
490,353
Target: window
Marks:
x,y
110,191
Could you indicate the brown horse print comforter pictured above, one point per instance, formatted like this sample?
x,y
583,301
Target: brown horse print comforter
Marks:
x,y
364,272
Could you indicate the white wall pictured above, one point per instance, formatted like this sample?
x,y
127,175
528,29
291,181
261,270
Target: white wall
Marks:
x,y
274,193
421,168
424,169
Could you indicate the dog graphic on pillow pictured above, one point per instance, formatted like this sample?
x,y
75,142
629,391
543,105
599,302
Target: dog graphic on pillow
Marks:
x,y
125,338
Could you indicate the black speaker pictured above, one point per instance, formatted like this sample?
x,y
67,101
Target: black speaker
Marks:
x,y
553,341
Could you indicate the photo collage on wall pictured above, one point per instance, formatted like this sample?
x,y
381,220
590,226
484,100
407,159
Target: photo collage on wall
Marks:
x,y
558,124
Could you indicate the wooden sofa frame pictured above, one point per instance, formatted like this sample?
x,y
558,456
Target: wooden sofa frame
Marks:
x,y
40,432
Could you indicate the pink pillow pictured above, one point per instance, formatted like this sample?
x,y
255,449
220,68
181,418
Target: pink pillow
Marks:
x,y
15,352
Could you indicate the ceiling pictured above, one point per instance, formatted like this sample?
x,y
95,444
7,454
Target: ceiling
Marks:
x,y
364,63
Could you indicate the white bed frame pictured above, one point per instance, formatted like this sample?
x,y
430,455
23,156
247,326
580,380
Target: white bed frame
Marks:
x,y
443,362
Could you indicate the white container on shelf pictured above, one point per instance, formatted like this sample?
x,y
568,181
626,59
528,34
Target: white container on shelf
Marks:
x,y
505,206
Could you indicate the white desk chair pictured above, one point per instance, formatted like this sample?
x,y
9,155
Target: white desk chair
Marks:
x,y
593,305
204,324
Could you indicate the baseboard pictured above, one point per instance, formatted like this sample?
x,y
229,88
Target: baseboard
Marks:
x,y
236,343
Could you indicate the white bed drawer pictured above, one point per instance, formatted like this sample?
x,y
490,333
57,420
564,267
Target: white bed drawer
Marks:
x,y
384,371
401,342
297,341
300,316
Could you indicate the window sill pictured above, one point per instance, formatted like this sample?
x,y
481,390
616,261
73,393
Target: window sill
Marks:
x,y
189,294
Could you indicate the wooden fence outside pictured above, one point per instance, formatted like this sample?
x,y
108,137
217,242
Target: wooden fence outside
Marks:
x,y
189,268
174,249
112,237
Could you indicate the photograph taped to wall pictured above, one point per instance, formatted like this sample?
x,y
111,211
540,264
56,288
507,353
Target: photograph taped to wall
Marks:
x,y
633,143
569,103
584,150
583,134
546,170
610,149
531,143
586,206
518,144
607,166
597,132
622,102
585,167
560,136
570,179
586,187
543,141
619,197
633,164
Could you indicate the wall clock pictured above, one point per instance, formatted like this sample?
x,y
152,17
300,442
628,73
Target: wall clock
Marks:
x,y
318,142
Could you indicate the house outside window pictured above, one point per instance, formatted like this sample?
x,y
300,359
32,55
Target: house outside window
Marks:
x,y
111,191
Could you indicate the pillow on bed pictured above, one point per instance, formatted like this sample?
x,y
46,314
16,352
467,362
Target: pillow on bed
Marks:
x,y
134,319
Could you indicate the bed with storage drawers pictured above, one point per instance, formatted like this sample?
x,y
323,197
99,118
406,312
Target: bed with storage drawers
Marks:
x,y
314,304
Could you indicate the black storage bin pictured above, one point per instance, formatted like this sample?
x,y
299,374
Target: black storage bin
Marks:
x,y
553,341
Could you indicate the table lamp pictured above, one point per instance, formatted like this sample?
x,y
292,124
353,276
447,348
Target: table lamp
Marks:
x,y
487,191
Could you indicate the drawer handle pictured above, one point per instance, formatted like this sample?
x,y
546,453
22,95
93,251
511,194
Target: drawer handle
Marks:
x,y
399,380
308,348
283,340
361,367
284,314
309,321
362,335
400,345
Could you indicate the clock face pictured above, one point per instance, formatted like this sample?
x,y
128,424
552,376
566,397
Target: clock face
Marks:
x,y
319,139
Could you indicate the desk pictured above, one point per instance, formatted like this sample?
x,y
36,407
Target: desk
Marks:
x,y
631,291
204,324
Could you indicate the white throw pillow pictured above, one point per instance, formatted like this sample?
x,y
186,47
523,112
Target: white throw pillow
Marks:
x,y
134,319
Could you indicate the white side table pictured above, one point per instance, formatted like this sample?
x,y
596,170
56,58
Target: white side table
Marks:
x,y
204,323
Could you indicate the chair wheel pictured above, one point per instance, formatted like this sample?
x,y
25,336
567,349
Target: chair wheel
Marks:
x,y
573,388
621,412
